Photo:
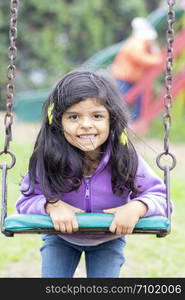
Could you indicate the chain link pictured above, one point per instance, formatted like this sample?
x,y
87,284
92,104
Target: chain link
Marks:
x,y
168,76
168,104
10,89
11,73
168,85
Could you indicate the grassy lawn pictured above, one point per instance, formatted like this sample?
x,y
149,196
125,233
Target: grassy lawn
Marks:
x,y
20,247
149,256
146,255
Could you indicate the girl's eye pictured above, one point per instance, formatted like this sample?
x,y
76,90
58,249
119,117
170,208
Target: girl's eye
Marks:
x,y
74,117
98,116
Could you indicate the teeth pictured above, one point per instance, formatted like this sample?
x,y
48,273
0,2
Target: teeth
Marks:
x,y
86,136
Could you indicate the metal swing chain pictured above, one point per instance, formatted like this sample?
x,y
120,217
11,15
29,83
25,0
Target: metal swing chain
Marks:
x,y
8,119
11,73
168,102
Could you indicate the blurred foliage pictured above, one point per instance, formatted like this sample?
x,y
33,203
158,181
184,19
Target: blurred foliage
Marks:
x,y
177,132
56,36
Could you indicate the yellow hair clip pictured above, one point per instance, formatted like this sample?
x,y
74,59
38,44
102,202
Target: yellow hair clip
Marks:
x,y
124,138
50,113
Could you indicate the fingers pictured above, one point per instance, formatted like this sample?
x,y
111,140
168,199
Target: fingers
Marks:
x,y
78,210
62,227
109,211
120,229
56,225
113,227
66,226
75,225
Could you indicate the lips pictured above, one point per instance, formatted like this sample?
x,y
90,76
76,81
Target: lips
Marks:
x,y
87,136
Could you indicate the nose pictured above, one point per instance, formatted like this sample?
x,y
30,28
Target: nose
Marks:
x,y
86,122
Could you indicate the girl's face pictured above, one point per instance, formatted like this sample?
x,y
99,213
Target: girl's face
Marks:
x,y
86,125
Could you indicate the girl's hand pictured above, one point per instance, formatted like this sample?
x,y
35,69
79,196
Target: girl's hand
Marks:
x,y
63,216
126,216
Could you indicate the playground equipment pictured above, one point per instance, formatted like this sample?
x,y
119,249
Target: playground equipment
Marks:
x,y
150,102
103,58
28,104
88,222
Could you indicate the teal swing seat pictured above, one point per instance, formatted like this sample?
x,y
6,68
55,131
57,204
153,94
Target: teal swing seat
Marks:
x,y
90,223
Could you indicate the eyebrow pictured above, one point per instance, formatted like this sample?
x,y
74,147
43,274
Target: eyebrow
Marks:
x,y
94,112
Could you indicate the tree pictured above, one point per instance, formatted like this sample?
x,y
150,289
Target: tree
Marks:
x,y
56,36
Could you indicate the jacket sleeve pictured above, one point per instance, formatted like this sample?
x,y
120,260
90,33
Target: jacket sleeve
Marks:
x,y
152,190
33,203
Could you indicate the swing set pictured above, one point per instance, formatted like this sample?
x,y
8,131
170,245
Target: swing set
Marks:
x,y
90,223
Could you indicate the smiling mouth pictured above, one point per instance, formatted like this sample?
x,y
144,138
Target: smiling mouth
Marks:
x,y
87,137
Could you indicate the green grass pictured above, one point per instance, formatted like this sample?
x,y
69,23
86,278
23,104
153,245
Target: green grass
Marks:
x,y
146,255
177,132
149,256
20,247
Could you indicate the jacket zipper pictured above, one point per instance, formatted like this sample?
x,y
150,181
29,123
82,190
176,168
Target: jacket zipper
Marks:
x,y
87,196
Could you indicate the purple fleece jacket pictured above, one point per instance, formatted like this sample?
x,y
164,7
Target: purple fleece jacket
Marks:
x,y
95,194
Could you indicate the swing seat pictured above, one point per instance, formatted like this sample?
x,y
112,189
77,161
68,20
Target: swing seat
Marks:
x,y
90,223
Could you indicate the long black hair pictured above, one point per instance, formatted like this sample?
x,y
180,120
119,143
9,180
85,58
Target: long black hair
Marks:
x,y
57,164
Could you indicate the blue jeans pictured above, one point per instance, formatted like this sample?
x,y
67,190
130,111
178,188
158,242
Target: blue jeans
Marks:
x,y
60,258
135,109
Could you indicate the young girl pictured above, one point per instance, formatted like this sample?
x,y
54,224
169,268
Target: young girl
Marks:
x,y
83,161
